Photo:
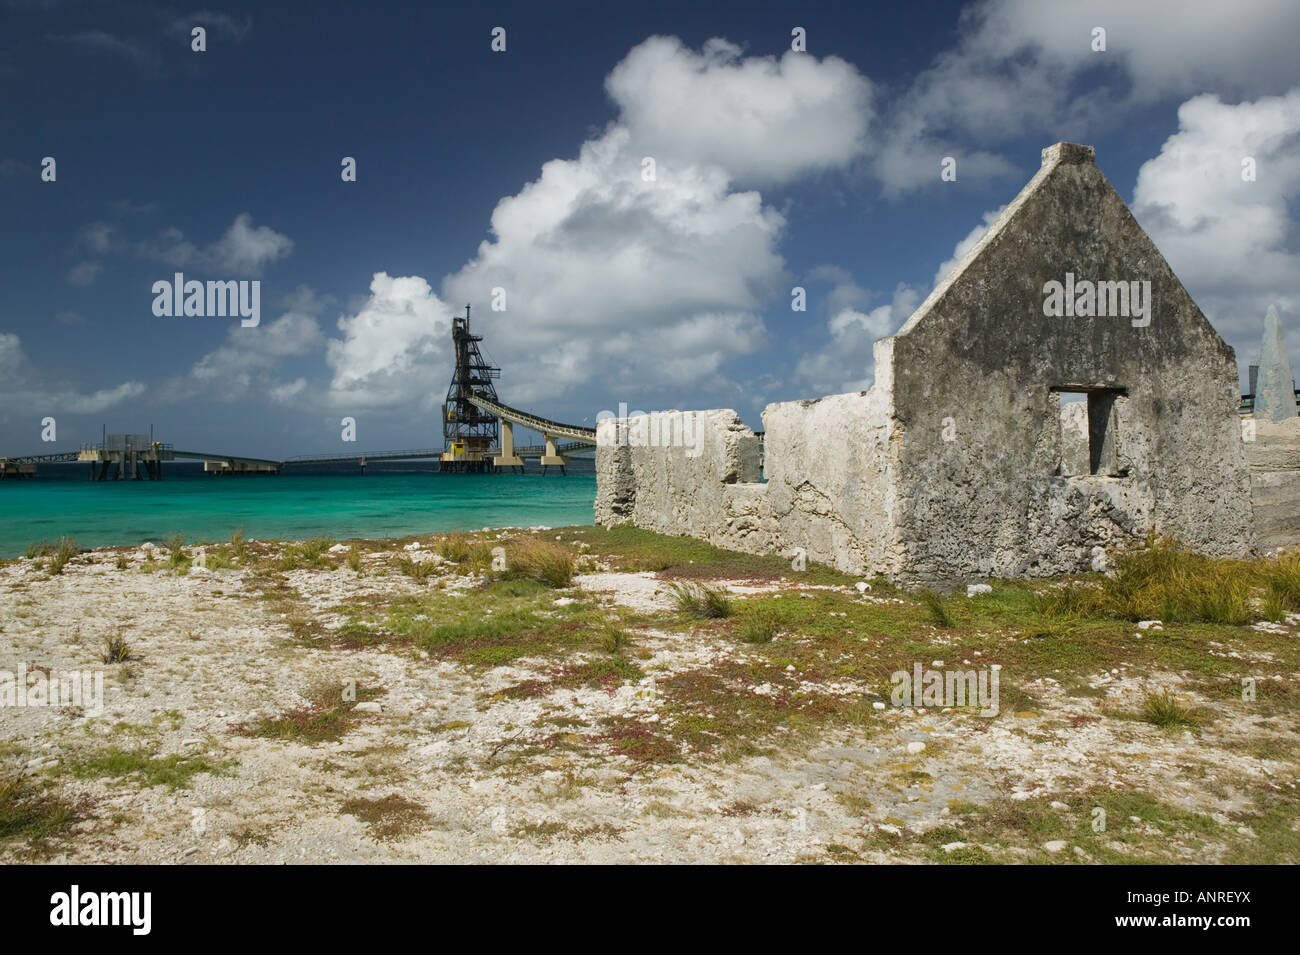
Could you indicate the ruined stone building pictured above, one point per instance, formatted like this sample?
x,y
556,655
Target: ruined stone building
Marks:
x,y
967,459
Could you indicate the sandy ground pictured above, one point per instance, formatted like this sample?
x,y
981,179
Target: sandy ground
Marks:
x,y
441,759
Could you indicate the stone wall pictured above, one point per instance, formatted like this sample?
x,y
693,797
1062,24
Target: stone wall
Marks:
x,y
1274,456
960,463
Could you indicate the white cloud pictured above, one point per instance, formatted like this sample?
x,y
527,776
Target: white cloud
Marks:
x,y
612,278
246,363
1023,67
846,362
968,243
23,387
1231,242
609,278
596,262
242,250
760,118
394,349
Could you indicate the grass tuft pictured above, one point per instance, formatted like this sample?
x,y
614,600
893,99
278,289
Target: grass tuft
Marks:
x,y
701,600
934,604
543,561
116,649
66,550
1163,710
415,569
31,816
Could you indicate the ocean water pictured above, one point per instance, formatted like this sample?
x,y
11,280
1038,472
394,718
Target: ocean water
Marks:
x,y
343,504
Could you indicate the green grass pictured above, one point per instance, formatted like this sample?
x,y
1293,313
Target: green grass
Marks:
x,y
1162,833
540,560
415,569
759,624
628,548
30,816
494,624
308,553
934,605
1165,581
1165,711
59,558
701,600
145,766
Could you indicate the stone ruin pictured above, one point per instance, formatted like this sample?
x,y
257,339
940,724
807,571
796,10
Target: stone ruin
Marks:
x,y
963,461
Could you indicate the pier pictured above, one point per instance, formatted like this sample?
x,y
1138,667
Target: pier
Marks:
x,y
478,437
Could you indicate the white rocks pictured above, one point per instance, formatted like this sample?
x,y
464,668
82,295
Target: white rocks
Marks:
x,y
1059,805
953,846
914,747
563,601
862,586
1150,625
338,548
368,707
877,705
973,590
414,545
1056,845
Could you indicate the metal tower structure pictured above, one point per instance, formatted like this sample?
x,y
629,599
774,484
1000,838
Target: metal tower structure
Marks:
x,y
468,432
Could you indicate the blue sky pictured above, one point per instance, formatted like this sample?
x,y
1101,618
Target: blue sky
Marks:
x,y
523,170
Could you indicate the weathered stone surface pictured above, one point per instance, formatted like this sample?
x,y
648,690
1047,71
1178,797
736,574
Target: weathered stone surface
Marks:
x,y
1274,386
960,462
1274,456
668,471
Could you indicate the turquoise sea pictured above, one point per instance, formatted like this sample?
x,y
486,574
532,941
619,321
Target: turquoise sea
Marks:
x,y
289,506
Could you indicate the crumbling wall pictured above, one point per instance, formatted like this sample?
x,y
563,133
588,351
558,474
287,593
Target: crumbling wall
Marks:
x,y
960,462
829,475
679,473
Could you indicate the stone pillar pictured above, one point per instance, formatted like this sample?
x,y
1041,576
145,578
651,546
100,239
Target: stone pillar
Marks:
x,y
1275,388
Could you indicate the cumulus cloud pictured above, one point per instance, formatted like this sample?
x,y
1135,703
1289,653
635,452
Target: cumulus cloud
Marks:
x,y
247,362
393,347
762,119
1022,66
846,362
662,282
242,250
22,387
1231,241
